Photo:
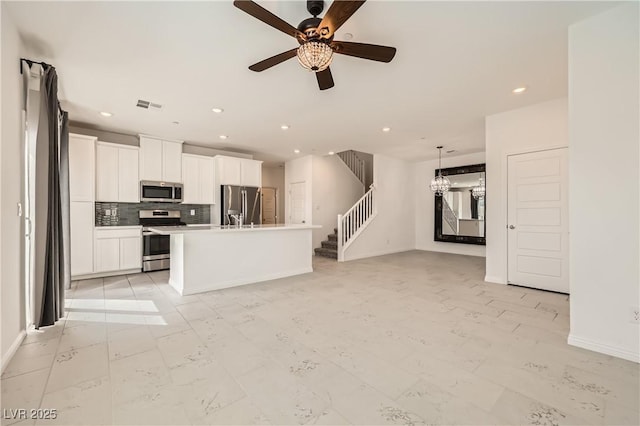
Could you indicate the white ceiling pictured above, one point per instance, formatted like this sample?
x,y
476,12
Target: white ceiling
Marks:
x,y
456,63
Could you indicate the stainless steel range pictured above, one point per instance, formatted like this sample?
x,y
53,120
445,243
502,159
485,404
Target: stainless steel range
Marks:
x,y
155,248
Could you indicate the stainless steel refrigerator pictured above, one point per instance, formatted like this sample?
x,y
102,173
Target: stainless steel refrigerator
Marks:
x,y
242,200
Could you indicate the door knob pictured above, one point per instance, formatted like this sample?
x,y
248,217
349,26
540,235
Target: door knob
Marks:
x,y
512,227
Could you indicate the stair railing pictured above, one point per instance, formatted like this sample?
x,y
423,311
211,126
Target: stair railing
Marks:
x,y
355,164
450,216
352,223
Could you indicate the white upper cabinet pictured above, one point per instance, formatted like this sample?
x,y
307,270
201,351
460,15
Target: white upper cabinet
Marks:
x,y
81,167
128,179
117,173
228,170
171,161
238,171
160,160
197,178
251,172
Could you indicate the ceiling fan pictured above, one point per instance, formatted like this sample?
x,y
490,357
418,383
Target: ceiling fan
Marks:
x,y
315,37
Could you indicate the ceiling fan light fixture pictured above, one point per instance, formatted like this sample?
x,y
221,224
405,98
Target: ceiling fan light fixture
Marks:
x,y
315,55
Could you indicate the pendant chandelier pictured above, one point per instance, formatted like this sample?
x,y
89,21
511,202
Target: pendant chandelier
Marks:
x,y
478,191
315,55
440,184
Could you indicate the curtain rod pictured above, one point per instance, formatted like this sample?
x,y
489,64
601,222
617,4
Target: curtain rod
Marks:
x,y
44,65
30,62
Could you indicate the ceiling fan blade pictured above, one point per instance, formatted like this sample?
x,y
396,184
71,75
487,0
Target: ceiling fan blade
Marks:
x,y
274,60
267,17
325,79
338,13
373,52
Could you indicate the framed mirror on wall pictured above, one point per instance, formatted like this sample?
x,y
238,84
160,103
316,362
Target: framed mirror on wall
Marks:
x,y
460,213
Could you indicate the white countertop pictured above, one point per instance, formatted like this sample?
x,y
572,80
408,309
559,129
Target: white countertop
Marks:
x,y
187,229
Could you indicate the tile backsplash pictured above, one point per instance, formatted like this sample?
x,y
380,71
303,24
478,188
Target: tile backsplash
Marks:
x,y
126,214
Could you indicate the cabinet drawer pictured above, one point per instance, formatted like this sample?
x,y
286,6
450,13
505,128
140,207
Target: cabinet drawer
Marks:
x,y
117,232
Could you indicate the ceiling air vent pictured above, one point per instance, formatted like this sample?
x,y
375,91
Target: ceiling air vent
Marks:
x,y
147,105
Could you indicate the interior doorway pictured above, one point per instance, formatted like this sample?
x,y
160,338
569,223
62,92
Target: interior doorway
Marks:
x,y
538,220
297,192
269,205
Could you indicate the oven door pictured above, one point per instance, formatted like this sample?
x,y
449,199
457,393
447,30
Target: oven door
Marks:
x,y
155,246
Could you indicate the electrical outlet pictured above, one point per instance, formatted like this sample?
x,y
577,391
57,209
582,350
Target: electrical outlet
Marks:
x,y
193,212
634,315
107,212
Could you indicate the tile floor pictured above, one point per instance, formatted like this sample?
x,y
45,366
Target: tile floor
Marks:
x,y
412,338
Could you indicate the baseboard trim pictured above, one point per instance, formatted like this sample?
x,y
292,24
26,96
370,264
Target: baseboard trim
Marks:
x,y
603,348
106,274
6,358
494,279
378,253
243,281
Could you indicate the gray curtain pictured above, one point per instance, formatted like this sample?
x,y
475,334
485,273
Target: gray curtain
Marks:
x,y
52,204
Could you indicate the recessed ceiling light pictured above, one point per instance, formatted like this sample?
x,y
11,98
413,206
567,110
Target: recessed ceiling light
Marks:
x,y
386,129
285,127
223,136
519,89
297,151
217,110
106,114
347,36
331,152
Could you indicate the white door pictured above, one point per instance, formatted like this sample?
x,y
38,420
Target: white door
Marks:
x,y
297,202
538,227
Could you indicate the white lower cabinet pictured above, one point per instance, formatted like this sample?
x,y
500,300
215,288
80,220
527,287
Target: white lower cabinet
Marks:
x,y
131,252
82,223
118,248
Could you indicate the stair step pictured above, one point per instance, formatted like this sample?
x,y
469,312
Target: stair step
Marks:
x,y
330,245
333,237
325,252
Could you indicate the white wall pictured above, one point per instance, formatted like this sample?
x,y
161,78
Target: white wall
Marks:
x,y
604,134
12,315
335,190
393,228
274,177
537,127
299,170
424,205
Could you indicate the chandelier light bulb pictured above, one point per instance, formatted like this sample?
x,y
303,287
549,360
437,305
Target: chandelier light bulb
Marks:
x,y
478,192
440,184
315,55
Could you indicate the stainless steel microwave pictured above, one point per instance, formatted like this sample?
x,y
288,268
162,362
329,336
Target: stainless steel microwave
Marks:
x,y
160,192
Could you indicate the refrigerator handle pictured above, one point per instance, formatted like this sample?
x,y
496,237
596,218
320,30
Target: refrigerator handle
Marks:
x,y
244,204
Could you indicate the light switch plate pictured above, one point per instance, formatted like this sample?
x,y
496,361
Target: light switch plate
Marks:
x,y
193,212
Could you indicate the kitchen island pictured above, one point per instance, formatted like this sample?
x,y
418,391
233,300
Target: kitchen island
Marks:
x,y
211,257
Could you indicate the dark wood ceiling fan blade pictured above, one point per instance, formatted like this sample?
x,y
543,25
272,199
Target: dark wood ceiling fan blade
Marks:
x,y
272,61
338,13
267,17
325,79
373,52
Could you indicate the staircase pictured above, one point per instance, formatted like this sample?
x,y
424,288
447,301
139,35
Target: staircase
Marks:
x,y
329,247
355,164
355,220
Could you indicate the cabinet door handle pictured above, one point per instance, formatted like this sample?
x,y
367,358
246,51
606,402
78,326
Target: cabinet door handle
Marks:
x,y
512,227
